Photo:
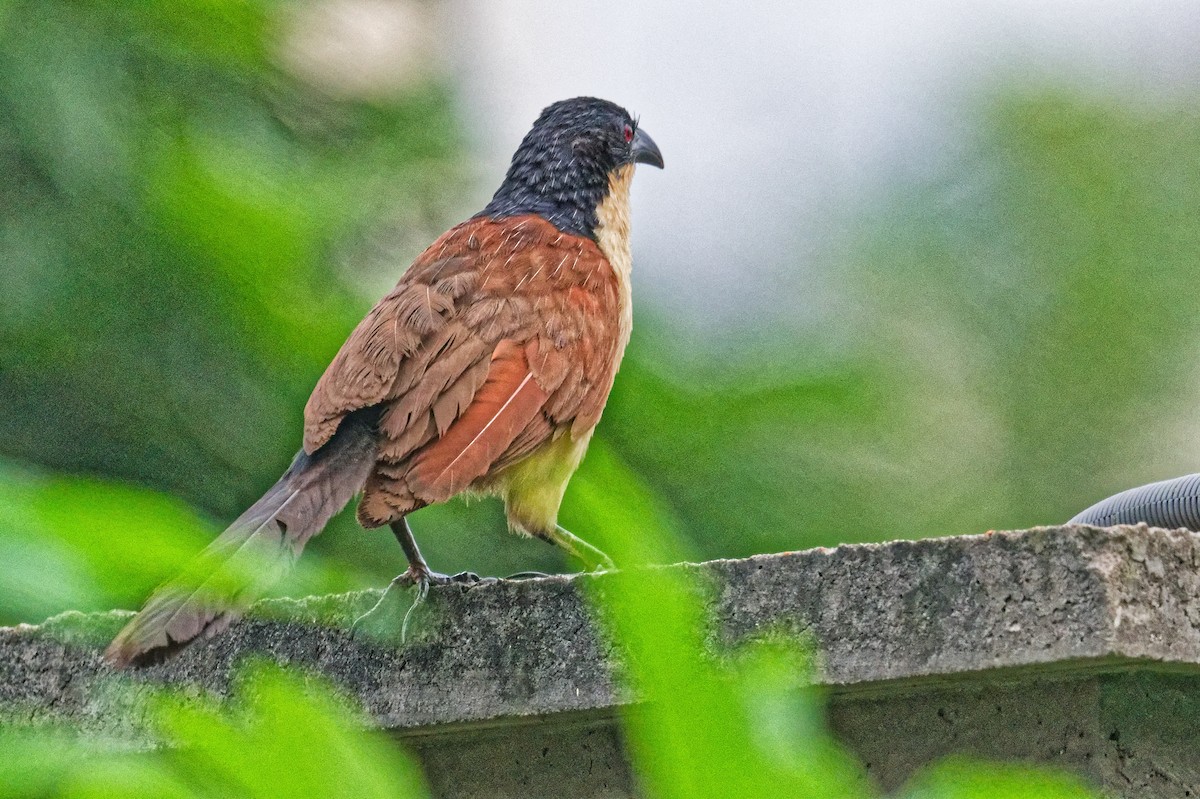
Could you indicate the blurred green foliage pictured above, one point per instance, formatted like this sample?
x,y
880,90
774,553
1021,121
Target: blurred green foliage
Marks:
x,y
284,738
172,205
182,225
171,208
1032,315
1015,340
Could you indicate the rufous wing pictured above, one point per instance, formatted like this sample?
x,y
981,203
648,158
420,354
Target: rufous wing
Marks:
x,y
502,336
383,356
509,401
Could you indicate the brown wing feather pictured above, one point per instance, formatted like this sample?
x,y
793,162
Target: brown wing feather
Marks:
x,y
539,431
435,308
359,375
503,407
380,351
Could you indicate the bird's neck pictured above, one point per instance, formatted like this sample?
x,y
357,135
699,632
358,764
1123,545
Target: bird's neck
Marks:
x,y
569,201
612,234
612,223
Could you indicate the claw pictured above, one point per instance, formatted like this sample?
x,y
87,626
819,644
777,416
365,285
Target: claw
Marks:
x,y
418,599
471,579
421,580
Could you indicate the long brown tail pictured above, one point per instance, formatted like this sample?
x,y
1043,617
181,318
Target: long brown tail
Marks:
x,y
256,550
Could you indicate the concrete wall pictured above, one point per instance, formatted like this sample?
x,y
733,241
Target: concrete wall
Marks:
x,y
1074,647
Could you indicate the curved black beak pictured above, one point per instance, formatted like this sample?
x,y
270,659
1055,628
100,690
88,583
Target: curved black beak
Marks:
x,y
645,151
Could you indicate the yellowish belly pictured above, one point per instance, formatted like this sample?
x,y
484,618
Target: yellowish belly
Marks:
x,y
533,488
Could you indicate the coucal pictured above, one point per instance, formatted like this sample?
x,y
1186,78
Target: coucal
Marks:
x,y
484,371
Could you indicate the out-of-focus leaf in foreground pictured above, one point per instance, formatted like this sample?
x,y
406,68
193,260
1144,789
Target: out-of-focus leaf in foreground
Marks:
x,y
92,544
285,737
297,741
741,724
959,778
701,732
86,544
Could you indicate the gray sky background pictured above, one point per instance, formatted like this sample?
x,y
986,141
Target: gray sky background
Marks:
x,y
779,121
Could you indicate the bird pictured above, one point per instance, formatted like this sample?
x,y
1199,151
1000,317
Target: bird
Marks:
x,y
483,372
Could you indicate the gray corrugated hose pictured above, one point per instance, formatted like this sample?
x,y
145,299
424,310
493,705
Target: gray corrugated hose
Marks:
x,y
1169,503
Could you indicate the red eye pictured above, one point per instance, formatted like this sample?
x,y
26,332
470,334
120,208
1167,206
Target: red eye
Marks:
x,y
628,134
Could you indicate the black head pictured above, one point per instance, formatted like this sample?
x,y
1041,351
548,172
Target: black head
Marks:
x,y
561,170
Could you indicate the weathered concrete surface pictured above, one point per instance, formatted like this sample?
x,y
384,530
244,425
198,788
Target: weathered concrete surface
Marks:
x,y
552,758
1043,645
1129,731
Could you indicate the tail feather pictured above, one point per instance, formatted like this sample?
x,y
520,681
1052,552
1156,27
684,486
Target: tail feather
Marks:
x,y
254,552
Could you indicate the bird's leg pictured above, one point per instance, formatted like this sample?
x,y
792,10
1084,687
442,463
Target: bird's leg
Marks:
x,y
418,575
418,570
593,559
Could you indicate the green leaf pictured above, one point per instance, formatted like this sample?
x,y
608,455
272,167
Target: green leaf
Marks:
x,y
959,778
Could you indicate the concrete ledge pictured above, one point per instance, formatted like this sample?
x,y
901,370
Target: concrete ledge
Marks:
x,y
895,622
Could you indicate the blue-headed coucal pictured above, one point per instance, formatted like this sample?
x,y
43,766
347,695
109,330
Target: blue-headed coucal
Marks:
x,y
485,371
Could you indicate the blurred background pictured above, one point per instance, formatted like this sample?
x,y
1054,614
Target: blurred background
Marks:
x,y
913,269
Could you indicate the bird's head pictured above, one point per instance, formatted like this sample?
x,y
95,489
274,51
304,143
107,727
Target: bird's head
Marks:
x,y
569,161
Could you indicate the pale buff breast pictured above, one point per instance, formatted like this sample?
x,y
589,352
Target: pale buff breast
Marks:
x,y
612,234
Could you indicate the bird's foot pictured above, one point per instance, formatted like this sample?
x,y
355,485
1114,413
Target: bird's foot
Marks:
x,y
593,559
604,564
420,579
468,579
